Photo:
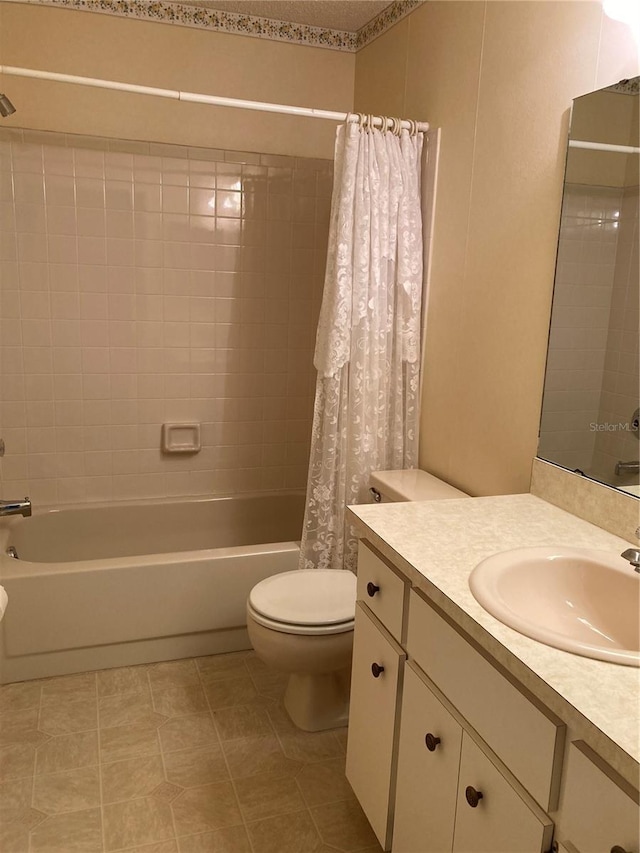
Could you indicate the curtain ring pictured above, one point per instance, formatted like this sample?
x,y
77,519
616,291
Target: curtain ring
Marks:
x,y
361,120
397,126
385,122
370,125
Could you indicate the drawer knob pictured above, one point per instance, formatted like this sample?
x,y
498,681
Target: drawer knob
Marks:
x,y
372,589
617,849
473,796
377,670
431,741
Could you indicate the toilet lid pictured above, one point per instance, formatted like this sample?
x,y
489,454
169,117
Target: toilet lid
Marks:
x,y
307,597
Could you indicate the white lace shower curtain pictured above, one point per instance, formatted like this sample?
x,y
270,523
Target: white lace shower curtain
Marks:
x,y
368,342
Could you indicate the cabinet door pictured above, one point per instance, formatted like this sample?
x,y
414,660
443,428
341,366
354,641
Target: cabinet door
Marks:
x,y
427,771
372,721
501,821
598,812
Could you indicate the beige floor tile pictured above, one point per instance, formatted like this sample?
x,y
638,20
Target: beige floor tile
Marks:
x,y
21,727
179,700
74,832
128,679
207,808
242,721
291,833
14,838
310,746
194,767
194,730
219,667
272,684
66,752
174,673
162,847
233,839
268,795
136,822
229,692
324,782
249,756
16,697
63,714
281,721
70,791
77,686
341,737
17,761
124,708
136,777
343,825
124,742
15,797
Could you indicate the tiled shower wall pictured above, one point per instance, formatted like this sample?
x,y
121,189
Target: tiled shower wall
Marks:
x,y
621,380
144,284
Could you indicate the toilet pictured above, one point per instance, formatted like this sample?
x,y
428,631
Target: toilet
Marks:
x,y
301,622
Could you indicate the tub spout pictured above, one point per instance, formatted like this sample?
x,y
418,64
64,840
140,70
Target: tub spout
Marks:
x,y
22,507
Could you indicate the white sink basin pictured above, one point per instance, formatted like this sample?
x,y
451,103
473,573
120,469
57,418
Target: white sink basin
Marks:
x,y
582,601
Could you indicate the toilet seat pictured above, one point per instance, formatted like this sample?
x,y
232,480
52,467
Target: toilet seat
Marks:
x,y
307,601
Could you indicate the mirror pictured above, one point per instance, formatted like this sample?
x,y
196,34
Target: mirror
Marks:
x,y
590,404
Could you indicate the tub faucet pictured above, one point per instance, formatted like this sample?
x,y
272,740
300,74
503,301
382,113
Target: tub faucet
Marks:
x,y
22,507
632,467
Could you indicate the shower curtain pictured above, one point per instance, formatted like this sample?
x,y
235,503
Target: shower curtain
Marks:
x,y
368,342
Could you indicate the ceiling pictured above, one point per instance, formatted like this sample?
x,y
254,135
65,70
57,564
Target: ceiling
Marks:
x,y
345,15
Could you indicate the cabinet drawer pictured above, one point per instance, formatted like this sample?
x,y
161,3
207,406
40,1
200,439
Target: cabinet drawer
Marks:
x,y
597,814
372,740
523,734
387,602
427,778
501,822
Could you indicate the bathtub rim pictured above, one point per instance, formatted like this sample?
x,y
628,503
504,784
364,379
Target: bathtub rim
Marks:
x,y
10,566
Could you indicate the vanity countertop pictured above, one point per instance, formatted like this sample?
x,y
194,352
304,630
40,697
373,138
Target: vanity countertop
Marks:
x,y
436,544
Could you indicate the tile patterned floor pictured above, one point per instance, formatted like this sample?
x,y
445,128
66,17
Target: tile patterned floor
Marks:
x,y
189,756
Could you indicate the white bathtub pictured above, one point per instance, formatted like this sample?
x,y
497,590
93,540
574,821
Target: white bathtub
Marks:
x,y
130,583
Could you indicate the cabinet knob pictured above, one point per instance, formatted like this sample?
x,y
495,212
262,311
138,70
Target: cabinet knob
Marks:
x,y
431,741
372,589
377,670
617,849
473,796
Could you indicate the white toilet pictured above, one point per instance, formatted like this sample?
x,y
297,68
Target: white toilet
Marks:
x,y
301,622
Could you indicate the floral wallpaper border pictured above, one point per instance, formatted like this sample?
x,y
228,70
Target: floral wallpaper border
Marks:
x,y
186,15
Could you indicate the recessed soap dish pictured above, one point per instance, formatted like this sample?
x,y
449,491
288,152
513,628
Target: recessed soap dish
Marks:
x,y
180,438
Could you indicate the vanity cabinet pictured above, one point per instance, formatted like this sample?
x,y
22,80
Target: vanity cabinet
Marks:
x,y
450,753
376,686
450,795
599,811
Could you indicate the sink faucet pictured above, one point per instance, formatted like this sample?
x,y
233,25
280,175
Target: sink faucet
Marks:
x,y
633,556
22,507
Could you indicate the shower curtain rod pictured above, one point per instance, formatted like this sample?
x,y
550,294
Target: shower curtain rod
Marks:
x,y
196,98
603,146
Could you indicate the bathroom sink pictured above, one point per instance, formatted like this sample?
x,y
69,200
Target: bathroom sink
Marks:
x,y
576,599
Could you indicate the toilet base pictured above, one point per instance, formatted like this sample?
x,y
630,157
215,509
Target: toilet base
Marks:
x,y
318,701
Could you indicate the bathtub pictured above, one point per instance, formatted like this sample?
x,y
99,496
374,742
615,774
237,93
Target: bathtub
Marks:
x,y
120,584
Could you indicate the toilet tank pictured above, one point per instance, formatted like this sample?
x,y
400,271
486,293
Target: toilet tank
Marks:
x,y
410,485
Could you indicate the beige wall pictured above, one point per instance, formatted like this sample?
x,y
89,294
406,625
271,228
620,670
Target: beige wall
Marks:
x,y
498,77
155,54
